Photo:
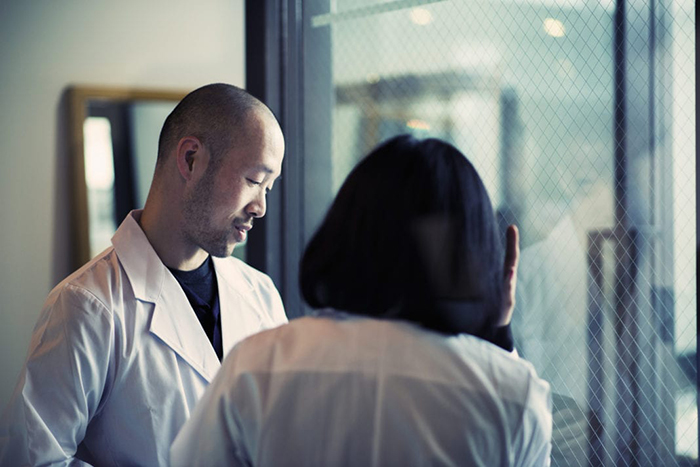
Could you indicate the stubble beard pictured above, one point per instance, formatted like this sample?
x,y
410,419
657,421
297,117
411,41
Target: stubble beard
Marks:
x,y
199,229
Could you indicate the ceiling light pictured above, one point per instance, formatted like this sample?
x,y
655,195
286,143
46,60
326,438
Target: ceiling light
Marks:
x,y
421,16
416,124
554,28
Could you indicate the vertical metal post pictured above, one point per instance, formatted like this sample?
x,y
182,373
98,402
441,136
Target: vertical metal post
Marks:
x,y
626,427
292,114
597,454
643,398
274,74
319,103
627,343
262,56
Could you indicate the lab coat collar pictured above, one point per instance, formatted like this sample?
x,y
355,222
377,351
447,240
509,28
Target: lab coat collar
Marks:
x,y
173,320
240,314
140,261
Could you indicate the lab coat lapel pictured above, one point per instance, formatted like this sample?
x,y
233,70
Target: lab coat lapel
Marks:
x,y
174,321
240,310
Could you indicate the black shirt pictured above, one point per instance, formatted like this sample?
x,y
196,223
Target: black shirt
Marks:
x,y
201,289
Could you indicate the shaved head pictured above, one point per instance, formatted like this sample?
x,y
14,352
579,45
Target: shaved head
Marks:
x,y
216,114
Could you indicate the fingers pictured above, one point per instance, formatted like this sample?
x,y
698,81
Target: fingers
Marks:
x,y
512,250
510,273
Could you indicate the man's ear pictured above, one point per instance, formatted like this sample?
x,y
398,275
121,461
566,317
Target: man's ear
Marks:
x,y
192,158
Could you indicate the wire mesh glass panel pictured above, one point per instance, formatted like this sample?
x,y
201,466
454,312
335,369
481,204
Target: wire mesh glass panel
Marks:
x,y
580,117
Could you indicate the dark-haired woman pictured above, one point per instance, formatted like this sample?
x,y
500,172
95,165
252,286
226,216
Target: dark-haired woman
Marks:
x,y
408,359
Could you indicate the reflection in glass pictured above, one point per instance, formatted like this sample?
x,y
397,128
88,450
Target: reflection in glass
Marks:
x,y
527,91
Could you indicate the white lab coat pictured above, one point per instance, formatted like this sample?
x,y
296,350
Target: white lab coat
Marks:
x,y
368,392
118,358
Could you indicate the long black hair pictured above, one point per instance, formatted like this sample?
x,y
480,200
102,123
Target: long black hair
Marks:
x,y
411,235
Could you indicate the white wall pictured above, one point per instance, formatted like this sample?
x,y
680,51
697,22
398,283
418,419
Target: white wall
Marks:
x,y
44,47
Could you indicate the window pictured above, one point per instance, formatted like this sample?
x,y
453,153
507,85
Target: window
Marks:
x,y
580,117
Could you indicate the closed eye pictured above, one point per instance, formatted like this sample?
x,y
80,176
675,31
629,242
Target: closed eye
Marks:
x,y
253,182
272,185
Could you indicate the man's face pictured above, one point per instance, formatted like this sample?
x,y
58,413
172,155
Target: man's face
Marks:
x,y
220,208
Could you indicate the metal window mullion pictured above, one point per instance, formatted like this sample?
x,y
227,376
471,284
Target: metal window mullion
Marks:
x,y
291,72
626,424
264,246
317,102
273,42
597,453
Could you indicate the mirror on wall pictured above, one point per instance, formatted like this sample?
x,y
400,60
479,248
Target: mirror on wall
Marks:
x,y
114,144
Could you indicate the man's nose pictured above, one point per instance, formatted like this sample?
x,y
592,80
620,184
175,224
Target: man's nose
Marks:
x,y
258,206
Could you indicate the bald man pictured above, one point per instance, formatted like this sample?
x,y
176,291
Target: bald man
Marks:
x,y
125,346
